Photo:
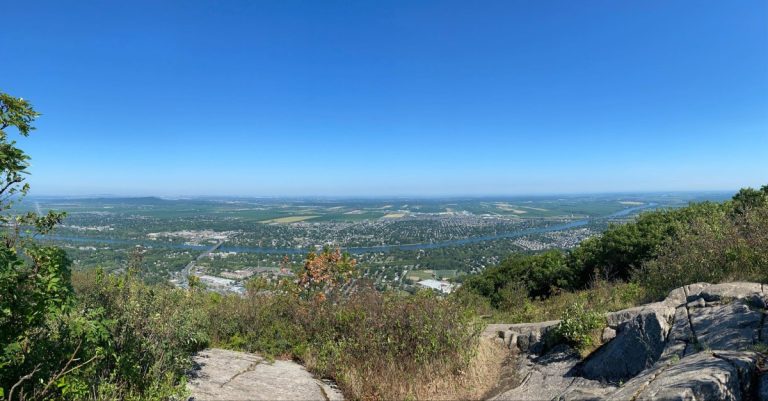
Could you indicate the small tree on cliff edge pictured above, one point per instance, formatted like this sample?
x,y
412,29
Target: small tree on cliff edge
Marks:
x,y
34,280
325,272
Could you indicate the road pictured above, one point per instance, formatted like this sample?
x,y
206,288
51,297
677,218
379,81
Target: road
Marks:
x,y
184,281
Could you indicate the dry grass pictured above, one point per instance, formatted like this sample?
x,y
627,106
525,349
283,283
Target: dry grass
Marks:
x,y
600,297
480,377
474,383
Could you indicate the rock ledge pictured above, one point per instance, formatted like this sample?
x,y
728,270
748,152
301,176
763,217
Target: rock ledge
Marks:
x,y
703,342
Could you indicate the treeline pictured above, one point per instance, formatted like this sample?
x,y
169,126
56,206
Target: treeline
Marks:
x,y
659,251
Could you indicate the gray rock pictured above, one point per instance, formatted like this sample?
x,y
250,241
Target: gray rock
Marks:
x,y
701,377
500,334
762,387
528,336
495,330
608,334
578,393
638,345
694,345
550,376
734,326
677,297
696,303
694,289
764,332
229,375
680,340
738,290
663,309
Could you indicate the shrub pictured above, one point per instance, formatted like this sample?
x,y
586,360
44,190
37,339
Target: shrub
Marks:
x,y
725,247
389,346
374,345
536,274
601,297
621,249
264,322
151,332
578,327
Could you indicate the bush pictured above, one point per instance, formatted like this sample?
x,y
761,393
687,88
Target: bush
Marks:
x,y
622,249
387,346
578,327
601,297
725,247
537,275
150,333
374,345
264,322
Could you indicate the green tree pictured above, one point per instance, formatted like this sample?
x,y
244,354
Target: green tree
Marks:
x,y
750,198
35,290
536,275
622,249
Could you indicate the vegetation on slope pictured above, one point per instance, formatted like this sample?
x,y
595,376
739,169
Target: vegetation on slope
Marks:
x,y
632,263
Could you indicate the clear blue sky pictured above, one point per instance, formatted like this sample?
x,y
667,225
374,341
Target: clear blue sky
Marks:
x,y
390,97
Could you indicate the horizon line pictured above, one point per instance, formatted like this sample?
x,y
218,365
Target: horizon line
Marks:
x,y
379,196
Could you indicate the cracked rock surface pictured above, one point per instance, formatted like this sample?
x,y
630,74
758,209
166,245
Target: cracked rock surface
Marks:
x,y
703,342
238,376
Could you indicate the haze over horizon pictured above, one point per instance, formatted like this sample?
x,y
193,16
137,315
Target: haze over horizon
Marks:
x,y
725,194
427,98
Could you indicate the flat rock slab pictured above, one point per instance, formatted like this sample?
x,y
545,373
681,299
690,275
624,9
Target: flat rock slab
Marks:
x,y
239,376
550,377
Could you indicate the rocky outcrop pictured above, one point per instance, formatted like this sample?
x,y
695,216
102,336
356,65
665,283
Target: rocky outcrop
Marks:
x,y
703,342
726,375
526,337
238,376
637,345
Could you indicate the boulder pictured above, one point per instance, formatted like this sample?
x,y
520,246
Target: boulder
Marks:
x,y
663,310
529,337
638,345
498,332
736,290
608,334
680,340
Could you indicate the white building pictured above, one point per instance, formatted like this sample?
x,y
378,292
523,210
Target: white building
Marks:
x,y
442,286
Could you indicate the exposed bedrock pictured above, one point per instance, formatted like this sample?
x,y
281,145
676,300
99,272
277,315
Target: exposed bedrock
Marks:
x,y
703,342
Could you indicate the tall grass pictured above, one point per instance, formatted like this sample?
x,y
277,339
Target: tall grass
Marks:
x,y
374,345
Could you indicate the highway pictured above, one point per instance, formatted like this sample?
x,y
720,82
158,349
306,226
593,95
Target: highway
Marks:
x,y
184,280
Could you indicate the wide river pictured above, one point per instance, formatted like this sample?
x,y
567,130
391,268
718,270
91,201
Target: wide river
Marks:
x,y
369,249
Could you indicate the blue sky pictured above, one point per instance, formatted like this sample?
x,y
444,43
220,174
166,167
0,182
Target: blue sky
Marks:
x,y
390,97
